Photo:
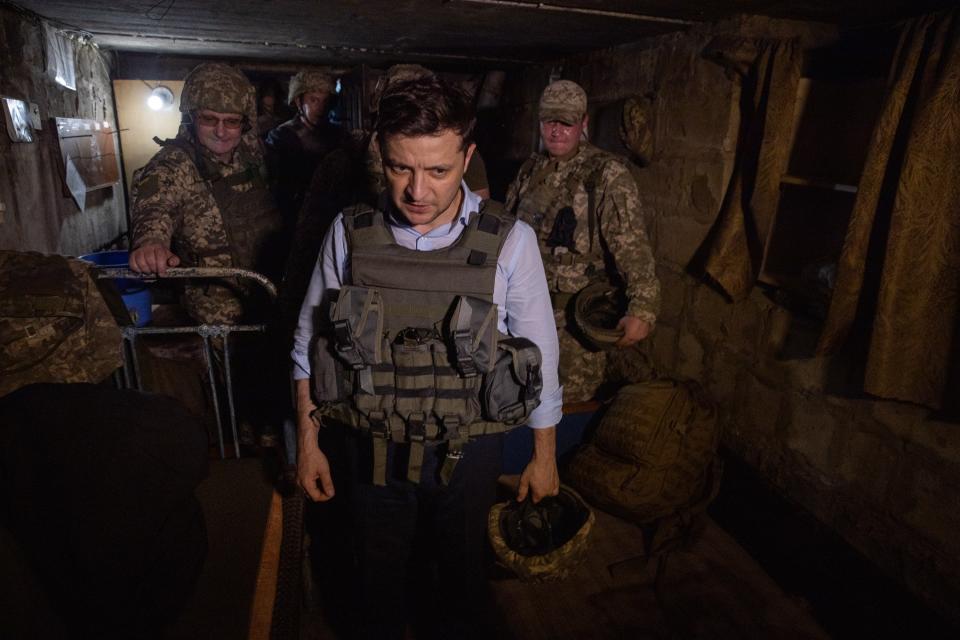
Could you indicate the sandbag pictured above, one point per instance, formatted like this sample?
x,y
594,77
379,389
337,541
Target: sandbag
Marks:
x,y
54,323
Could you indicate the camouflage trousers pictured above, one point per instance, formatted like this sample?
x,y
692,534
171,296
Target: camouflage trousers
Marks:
x,y
587,374
216,302
581,370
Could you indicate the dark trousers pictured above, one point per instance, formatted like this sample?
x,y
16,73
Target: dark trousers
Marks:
x,y
421,550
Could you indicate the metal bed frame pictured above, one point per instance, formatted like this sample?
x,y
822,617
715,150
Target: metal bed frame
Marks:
x,y
131,376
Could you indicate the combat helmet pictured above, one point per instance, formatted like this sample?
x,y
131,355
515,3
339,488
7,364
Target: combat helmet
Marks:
x,y
597,309
218,87
544,541
309,80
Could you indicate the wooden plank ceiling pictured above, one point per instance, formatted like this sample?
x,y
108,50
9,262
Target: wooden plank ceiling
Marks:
x,y
479,32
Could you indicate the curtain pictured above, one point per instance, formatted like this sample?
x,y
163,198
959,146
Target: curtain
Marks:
x,y
899,269
770,72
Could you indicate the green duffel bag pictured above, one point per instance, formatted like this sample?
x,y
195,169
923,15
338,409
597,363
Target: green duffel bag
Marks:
x,y
652,454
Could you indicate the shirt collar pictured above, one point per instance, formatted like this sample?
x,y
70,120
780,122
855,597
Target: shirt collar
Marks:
x,y
469,206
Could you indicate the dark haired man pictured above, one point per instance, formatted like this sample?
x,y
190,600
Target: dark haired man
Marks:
x,y
424,457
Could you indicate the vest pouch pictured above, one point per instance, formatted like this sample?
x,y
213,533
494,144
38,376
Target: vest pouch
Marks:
x,y
374,391
457,398
357,319
413,362
328,373
473,336
511,391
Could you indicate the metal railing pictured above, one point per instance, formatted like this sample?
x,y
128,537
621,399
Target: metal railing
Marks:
x,y
132,377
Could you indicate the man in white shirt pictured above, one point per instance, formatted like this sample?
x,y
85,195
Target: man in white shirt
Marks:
x,y
425,130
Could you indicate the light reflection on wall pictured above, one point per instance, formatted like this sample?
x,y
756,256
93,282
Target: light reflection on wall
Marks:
x,y
139,123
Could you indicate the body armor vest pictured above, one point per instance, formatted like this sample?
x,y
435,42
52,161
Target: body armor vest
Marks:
x,y
550,212
416,340
250,218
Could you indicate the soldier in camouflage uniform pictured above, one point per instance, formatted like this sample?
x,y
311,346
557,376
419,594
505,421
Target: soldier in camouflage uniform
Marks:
x,y
584,205
203,201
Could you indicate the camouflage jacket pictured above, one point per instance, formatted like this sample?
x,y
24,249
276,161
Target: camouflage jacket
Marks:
x,y
174,206
555,198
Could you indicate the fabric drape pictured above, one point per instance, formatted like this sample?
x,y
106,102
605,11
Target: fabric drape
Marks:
x,y
770,72
899,266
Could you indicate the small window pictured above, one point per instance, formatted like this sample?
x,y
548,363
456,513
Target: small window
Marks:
x,y
833,124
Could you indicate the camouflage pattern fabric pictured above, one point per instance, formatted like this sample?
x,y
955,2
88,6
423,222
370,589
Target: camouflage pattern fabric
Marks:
x,y
54,323
173,205
219,87
310,80
635,128
558,563
563,100
617,251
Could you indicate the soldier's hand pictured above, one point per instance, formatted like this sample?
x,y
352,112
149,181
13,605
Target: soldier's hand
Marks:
x,y
634,330
152,258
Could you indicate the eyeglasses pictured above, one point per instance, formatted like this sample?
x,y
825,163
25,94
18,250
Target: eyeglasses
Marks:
x,y
230,122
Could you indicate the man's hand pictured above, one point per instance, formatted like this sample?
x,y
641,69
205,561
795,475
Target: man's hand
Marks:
x,y
152,258
634,330
540,476
313,469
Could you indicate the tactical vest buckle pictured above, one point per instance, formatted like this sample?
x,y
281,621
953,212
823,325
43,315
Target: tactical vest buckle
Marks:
x,y
379,425
462,340
344,344
451,425
417,427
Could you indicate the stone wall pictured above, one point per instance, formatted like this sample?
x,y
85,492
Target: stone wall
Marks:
x,y
884,475
37,213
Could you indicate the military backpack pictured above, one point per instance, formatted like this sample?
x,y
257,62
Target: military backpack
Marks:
x,y
652,456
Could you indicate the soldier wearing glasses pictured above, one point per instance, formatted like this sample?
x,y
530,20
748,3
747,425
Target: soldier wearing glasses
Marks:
x,y
203,201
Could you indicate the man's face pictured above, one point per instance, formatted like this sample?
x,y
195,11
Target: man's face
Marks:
x,y
313,106
219,132
266,104
561,140
423,177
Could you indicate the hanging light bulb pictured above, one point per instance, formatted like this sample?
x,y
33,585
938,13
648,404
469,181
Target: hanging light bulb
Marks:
x,y
160,98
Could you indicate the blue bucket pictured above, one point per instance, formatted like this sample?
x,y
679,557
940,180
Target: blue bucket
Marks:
x,y
135,293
